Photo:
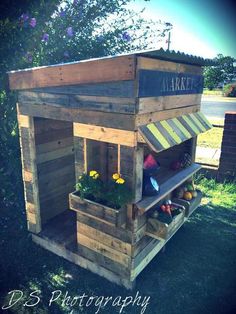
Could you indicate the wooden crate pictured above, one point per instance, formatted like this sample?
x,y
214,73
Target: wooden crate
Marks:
x,y
190,206
116,217
161,230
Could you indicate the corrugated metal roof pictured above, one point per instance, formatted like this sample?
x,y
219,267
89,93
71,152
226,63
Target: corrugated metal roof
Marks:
x,y
171,55
164,134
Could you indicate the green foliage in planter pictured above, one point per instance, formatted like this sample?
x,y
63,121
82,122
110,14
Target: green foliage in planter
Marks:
x,y
117,194
90,186
113,193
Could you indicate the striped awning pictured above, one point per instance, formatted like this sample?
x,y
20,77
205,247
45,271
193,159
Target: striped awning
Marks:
x,y
164,134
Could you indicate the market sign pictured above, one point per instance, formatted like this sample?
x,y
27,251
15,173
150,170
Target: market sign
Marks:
x,y
159,83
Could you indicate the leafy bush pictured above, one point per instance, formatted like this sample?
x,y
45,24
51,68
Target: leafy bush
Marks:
x,y
43,32
229,90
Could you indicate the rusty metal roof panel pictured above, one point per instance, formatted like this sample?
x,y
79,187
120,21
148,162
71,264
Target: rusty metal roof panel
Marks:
x,y
171,55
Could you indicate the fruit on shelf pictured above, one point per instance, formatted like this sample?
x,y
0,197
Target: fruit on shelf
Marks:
x,y
194,193
190,187
187,196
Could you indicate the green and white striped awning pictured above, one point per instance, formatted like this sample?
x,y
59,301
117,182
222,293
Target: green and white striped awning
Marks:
x,y
164,134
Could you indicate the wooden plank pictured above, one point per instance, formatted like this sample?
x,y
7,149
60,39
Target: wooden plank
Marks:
x,y
145,257
107,214
53,207
138,173
121,89
43,98
166,187
107,263
92,71
105,250
53,165
83,102
54,175
29,171
72,255
117,232
190,206
23,121
159,230
51,155
50,125
104,238
54,135
51,183
105,104
154,104
110,135
153,64
54,145
146,118
105,119
57,191
139,246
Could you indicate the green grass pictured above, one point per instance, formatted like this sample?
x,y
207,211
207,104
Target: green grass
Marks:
x,y
195,274
212,92
211,138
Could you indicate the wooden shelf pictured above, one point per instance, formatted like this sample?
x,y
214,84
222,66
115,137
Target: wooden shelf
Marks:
x,y
169,181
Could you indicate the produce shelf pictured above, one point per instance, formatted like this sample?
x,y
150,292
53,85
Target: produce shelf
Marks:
x,y
190,206
167,183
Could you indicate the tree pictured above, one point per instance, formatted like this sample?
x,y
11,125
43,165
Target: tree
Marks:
x,y
222,72
42,32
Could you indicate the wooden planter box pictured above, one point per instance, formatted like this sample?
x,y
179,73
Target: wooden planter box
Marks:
x,y
116,217
163,231
190,206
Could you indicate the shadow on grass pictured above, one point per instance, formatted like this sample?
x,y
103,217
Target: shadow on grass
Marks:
x,y
195,274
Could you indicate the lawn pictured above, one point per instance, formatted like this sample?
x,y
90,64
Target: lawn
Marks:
x,y
213,137
212,92
195,273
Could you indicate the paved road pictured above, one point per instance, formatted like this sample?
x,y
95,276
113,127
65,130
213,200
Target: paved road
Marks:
x,y
215,107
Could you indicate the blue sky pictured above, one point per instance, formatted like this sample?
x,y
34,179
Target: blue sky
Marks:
x,y
203,28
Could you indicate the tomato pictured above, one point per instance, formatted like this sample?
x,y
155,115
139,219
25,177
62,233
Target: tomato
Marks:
x,y
163,207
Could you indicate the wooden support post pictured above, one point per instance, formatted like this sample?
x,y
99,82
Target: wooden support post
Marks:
x,y
29,171
118,159
85,156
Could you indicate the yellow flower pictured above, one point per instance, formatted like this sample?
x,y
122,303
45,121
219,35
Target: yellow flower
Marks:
x,y
94,174
120,181
80,177
115,176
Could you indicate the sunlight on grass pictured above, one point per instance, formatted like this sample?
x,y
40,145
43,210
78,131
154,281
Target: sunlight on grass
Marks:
x,y
59,279
221,194
211,138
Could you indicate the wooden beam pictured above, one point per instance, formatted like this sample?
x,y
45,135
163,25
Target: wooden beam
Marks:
x,y
29,173
154,104
115,136
105,119
146,118
92,71
161,65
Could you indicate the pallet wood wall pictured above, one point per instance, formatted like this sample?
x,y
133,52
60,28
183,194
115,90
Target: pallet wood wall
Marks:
x,y
55,165
29,172
85,116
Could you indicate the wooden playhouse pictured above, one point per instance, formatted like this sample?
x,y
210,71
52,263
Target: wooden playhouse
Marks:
x,y
107,114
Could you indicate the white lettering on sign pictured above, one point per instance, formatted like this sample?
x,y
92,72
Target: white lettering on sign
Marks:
x,y
173,84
